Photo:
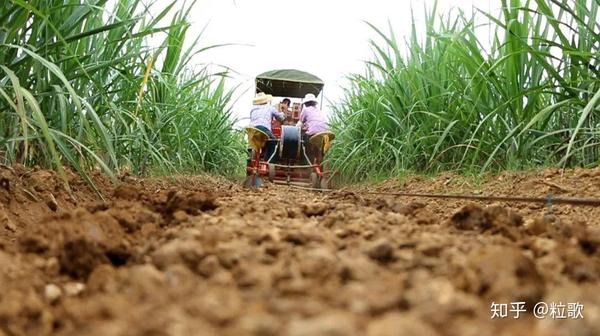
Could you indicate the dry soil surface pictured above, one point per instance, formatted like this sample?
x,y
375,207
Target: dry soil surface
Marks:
x,y
203,256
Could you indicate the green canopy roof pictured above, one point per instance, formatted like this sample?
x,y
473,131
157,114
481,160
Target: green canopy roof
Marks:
x,y
288,83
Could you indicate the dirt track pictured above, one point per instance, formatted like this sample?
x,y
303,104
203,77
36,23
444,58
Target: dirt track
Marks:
x,y
199,256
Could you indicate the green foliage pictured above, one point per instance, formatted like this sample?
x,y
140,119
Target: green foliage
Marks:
x,y
532,99
80,86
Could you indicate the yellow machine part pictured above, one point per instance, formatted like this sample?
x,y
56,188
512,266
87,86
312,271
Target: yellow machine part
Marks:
x,y
256,138
322,140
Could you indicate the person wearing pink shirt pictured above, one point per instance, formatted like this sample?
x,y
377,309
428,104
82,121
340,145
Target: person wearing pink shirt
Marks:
x,y
311,117
313,121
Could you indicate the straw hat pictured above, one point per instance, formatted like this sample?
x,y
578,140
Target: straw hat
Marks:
x,y
261,99
309,98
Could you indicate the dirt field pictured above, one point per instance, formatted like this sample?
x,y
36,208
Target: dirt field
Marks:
x,y
200,256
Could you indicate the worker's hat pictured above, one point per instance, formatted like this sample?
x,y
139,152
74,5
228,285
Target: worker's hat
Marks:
x,y
309,98
262,98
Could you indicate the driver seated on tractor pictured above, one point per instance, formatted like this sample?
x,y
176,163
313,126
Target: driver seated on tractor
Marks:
x,y
261,116
285,108
285,104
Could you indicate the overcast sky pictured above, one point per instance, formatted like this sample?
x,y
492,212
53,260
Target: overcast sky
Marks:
x,y
325,37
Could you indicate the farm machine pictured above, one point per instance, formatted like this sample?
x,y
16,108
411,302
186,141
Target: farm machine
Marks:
x,y
297,159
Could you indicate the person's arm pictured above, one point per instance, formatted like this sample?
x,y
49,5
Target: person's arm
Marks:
x,y
278,115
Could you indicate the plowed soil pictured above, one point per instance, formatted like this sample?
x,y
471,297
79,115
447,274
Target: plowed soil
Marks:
x,y
203,256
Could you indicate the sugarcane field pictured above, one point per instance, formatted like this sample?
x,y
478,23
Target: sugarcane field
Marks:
x,y
302,168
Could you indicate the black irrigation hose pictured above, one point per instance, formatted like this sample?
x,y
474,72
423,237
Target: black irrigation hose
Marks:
x,y
546,200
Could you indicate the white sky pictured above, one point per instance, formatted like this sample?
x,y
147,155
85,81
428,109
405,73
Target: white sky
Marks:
x,y
325,37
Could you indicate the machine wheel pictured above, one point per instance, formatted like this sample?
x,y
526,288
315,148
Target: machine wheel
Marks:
x,y
271,172
315,181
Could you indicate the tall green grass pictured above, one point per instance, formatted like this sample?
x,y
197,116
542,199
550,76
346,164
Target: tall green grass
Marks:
x,y
442,102
80,85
